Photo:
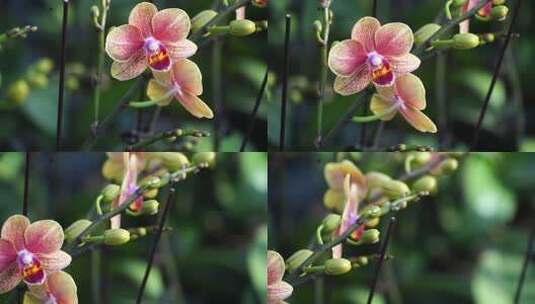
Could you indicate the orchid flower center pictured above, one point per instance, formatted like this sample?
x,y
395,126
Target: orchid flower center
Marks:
x,y
157,54
30,267
381,72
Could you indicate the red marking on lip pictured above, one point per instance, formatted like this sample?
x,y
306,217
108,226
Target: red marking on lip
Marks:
x,y
383,75
357,234
33,273
159,59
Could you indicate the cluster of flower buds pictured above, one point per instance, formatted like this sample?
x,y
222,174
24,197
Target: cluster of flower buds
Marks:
x,y
18,32
36,77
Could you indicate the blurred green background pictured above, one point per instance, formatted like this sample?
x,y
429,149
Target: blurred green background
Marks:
x,y
467,77
466,244
31,123
216,252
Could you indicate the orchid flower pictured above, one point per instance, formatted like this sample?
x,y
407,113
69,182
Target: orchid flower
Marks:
x,y
30,252
375,53
151,38
59,288
277,289
407,97
335,174
464,27
349,215
183,83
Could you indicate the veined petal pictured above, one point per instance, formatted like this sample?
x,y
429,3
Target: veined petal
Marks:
x,y
404,64
54,261
188,76
411,90
387,92
194,105
10,277
123,42
394,39
349,215
278,292
335,174
129,69
171,24
275,267
379,104
8,255
62,287
418,120
13,230
141,17
346,57
181,49
364,32
44,236
156,91
354,83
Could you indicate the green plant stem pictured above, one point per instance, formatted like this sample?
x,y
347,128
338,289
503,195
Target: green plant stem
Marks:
x,y
100,64
164,135
319,290
217,91
95,275
228,10
370,118
324,49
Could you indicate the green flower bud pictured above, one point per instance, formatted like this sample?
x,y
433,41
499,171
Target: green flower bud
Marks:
x,y
371,211
150,207
425,32
204,158
488,37
297,259
18,91
498,2
362,260
173,161
201,19
110,192
337,266
425,183
37,80
74,230
377,179
499,12
373,222
370,236
44,65
318,26
151,181
422,158
151,193
115,237
465,41
72,83
449,166
331,222
241,28
395,189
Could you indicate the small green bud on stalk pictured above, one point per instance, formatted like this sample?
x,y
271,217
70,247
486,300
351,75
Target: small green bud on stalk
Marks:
x,y
18,91
318,26
395,189
116,237
465,41
370,236
150,207
297,259
44,65
331,222
74,230
208,158
37,80
362,260
425,183
173,161
151,193
422,158
371,211
151,182
337,266
373,222
242,28
449,166
201,19
498,2
110,192
499,12
425,32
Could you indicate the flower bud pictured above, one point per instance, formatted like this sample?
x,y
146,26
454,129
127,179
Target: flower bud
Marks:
x,y
241,28
370,236
150,207
425,32
174,161
373,222
201,19
44,65
72,83
331,222
18,91
377,179
204,158
425,183
422,158
488,37
110,192
151,193
112,170
95,12
74,230
115,237
37,80
371,211
318,26
395,189
297,259
362,260
499,12
449,166
465,41
498,2
337,266
150,181
458,3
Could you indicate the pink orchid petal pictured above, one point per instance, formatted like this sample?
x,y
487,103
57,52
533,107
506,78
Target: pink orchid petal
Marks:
x,y
8,255
128,187
349,215
55,261
278,292
44,236
172,24
181,49
129,69
380,104
123,42
275,267
364,32
194,105
411,90
335,174
404,64
141,17
62,286
188,76
418,120
10,277
13,230
346,57
394,39
486,10
464,26
240,13
354,83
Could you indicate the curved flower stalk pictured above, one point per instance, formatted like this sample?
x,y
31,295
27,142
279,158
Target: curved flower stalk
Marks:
x,y
183,83
152,38
30,252
407,97
59,288
374,54
335,175
464,27
277,289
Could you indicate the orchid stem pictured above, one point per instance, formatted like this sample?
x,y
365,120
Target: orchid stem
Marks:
x,y
529,254
96,256
59,124
142,104
101,29
371,118
168,134
324,49
381,259
228,10
259,97
26,185
285,72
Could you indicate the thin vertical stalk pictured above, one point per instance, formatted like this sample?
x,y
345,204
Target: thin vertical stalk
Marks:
x,y
26,184
529,255
514,80
324,49
319,290
381,258
252,116
440,88
59,124
377,136
495,74
101,29
285,72
169,202
216,89
96,258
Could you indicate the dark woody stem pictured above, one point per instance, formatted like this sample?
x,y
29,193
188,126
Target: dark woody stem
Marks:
x,y
26,184
59,123
285,72
165,135
381,259
252,116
